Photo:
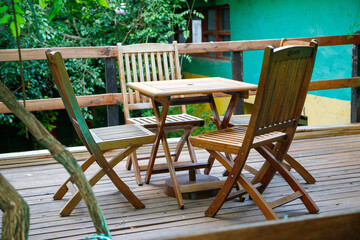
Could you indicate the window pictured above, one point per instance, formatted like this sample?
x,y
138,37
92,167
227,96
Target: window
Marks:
x,y
215,27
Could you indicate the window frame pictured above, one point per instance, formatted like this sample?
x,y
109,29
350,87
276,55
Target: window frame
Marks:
x,y
218,32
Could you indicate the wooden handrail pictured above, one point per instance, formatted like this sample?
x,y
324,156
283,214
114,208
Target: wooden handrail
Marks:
x,y
57,103
334,83
84,101
8,55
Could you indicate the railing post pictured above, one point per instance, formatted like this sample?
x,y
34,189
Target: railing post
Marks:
x,y
111,87
355,91
237,74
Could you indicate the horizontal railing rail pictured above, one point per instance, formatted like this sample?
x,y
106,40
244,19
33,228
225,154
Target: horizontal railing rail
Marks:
x,y
8,55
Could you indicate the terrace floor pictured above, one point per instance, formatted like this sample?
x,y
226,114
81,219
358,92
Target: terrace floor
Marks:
x,y
334,162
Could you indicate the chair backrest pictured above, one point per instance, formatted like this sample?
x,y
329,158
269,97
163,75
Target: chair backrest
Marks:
x,y
63,84
284,81
145,62
285,42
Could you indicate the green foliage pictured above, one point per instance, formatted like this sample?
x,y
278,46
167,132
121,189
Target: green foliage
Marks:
x,y
69,23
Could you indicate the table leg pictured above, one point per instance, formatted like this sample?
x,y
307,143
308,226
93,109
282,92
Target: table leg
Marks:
x,y
161,135
159,132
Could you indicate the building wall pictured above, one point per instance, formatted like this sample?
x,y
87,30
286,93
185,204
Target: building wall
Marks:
x,y
264,19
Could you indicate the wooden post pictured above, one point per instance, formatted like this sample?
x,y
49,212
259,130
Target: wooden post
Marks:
x,y
355,91
111,87
237,74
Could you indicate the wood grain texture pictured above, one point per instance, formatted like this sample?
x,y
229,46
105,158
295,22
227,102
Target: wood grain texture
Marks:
x,y
334,161
189,48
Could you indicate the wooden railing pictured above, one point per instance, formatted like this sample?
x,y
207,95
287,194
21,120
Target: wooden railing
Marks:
x,y
109,53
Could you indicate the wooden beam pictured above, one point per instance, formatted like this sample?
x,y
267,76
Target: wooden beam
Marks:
x,y
8,55
238,74
334,83
111,87
236,46
56,103
343,225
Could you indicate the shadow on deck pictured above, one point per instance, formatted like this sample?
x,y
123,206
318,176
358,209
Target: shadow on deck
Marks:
x,y
333,161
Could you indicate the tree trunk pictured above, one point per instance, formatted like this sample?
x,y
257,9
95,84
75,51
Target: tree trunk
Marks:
x,y
15,221
60,154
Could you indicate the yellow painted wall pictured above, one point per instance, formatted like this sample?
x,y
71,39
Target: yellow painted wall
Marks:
x,y
319,110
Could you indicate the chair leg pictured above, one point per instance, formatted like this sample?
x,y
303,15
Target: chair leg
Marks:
x,y
300,169
63,188
129,163
228,185
182,142
121,186
192,153
211,160
135,164
277,166
257,198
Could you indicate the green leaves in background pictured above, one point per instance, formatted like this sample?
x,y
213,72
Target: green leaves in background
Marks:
x,y
4,9
42,4
103,3
55,9
4,19
7,11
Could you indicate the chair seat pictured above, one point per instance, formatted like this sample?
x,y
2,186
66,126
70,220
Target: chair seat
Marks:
x,y
231,139
171,120
122,136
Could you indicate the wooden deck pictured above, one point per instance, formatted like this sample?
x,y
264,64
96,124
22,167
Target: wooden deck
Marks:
x,y
334,162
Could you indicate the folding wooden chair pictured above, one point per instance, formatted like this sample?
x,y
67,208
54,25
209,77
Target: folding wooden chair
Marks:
x,y
283,84
97,141
152,62
244,119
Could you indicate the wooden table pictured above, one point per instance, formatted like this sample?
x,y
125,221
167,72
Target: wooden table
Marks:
x,y
187,91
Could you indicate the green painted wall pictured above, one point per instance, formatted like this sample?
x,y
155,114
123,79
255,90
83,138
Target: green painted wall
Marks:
x,y
270,19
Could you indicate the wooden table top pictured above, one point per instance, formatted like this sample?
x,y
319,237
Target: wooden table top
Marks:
x,y
190,86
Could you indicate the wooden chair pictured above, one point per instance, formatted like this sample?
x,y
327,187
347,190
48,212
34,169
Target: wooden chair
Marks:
x,y
244,119
152,62
97,141
283,84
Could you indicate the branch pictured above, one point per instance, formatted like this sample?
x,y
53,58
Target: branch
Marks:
x,y
60,154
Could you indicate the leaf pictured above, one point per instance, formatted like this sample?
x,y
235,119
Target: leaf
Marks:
x,y
5,19
18,9
4,9
56,7
19,19
12,27
103,3
42,3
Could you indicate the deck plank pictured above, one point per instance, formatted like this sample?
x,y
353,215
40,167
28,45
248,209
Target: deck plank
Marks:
x,y
334,162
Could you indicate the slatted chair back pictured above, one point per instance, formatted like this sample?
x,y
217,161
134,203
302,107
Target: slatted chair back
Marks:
x,y
285,68
146,62
62,81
